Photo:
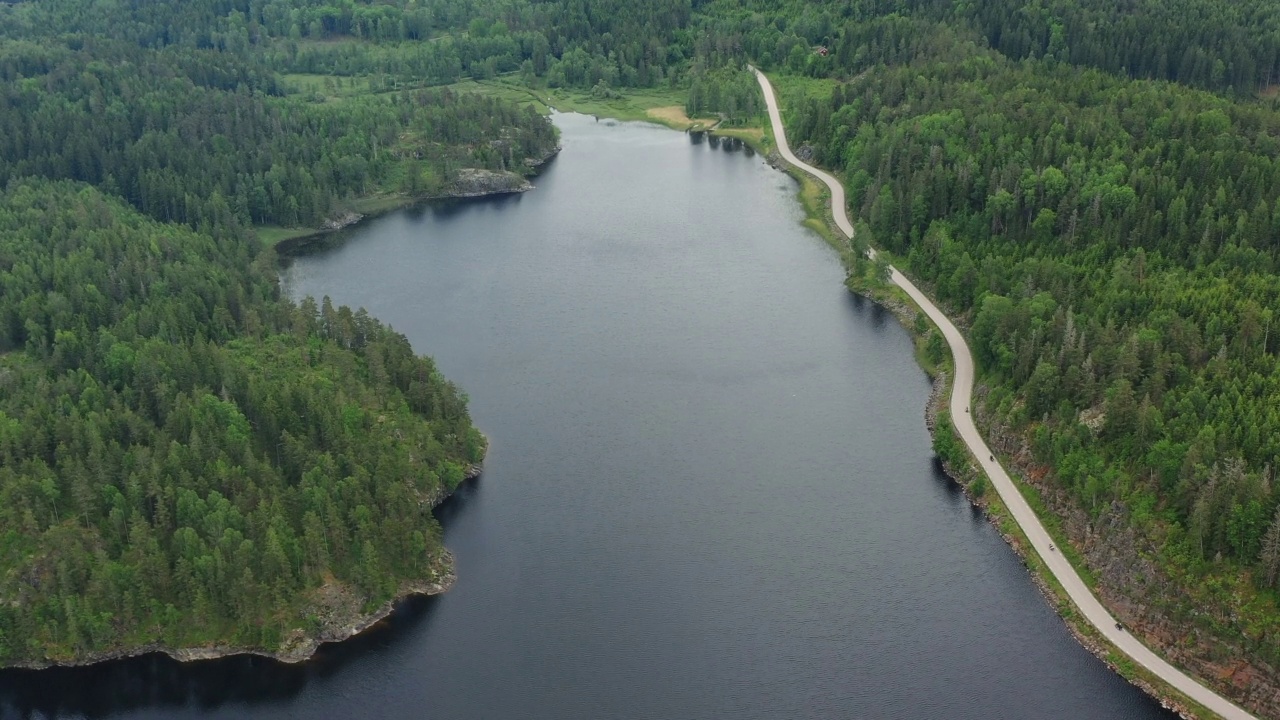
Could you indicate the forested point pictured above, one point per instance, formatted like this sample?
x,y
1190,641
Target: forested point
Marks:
x,y
1092,188
184,456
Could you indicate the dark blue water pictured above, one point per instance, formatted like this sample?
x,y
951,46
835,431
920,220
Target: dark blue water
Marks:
x,y
710,494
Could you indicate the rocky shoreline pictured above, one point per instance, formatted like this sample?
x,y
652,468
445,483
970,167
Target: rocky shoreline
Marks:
x,y
297,646
1262,696
477,183
471,184
938,400
1129,582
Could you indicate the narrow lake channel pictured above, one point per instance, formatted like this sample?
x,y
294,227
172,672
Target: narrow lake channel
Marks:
x,y
710,493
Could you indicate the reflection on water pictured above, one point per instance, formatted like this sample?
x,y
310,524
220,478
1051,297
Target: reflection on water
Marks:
x,y
873,313
719,142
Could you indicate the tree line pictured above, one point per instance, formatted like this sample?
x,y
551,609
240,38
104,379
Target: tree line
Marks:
x,y
184,455
192,136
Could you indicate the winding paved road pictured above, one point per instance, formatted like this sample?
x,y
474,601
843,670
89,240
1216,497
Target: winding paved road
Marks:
x,y
961,392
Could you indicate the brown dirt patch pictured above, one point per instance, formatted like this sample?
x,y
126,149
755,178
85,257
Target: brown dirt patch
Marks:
x,y
674,116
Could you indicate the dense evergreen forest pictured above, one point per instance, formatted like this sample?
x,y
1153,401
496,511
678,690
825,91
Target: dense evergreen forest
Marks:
x,y
186,458
1115,245
197,137
1112,243
182,453
1092,187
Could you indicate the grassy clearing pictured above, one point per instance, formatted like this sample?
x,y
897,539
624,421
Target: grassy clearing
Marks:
x,y
272,235
753,136
816,199
335,88
813,196
375,204
674,117
329,42
633,105
506,88
341,88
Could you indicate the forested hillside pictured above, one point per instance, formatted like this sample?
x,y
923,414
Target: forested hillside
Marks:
x,y
1228,47
1089,218
184,457
438,41
198,137
1113,245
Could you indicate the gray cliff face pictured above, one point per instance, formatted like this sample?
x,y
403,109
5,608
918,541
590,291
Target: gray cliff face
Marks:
x,y
475,182
536,163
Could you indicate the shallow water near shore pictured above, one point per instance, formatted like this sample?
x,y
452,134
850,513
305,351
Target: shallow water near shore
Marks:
x,y
710,491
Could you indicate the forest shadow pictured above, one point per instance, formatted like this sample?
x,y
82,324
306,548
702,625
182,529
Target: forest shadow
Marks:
x,y
450,208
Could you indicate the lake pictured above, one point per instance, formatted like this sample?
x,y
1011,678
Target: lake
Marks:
x,y
710,492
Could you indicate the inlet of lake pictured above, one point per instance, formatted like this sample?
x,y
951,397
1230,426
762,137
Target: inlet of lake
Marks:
x,y
710,491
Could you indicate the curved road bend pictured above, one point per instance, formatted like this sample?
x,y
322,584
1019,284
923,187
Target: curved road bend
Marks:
x,y
961,393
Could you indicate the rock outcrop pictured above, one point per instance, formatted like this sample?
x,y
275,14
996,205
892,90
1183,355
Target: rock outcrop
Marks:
x,y
341,221
337,609
475,182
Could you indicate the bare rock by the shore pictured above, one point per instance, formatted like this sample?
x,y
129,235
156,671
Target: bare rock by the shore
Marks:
x,y
338,610
344,220
340,617
336,607
533,163
476,182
